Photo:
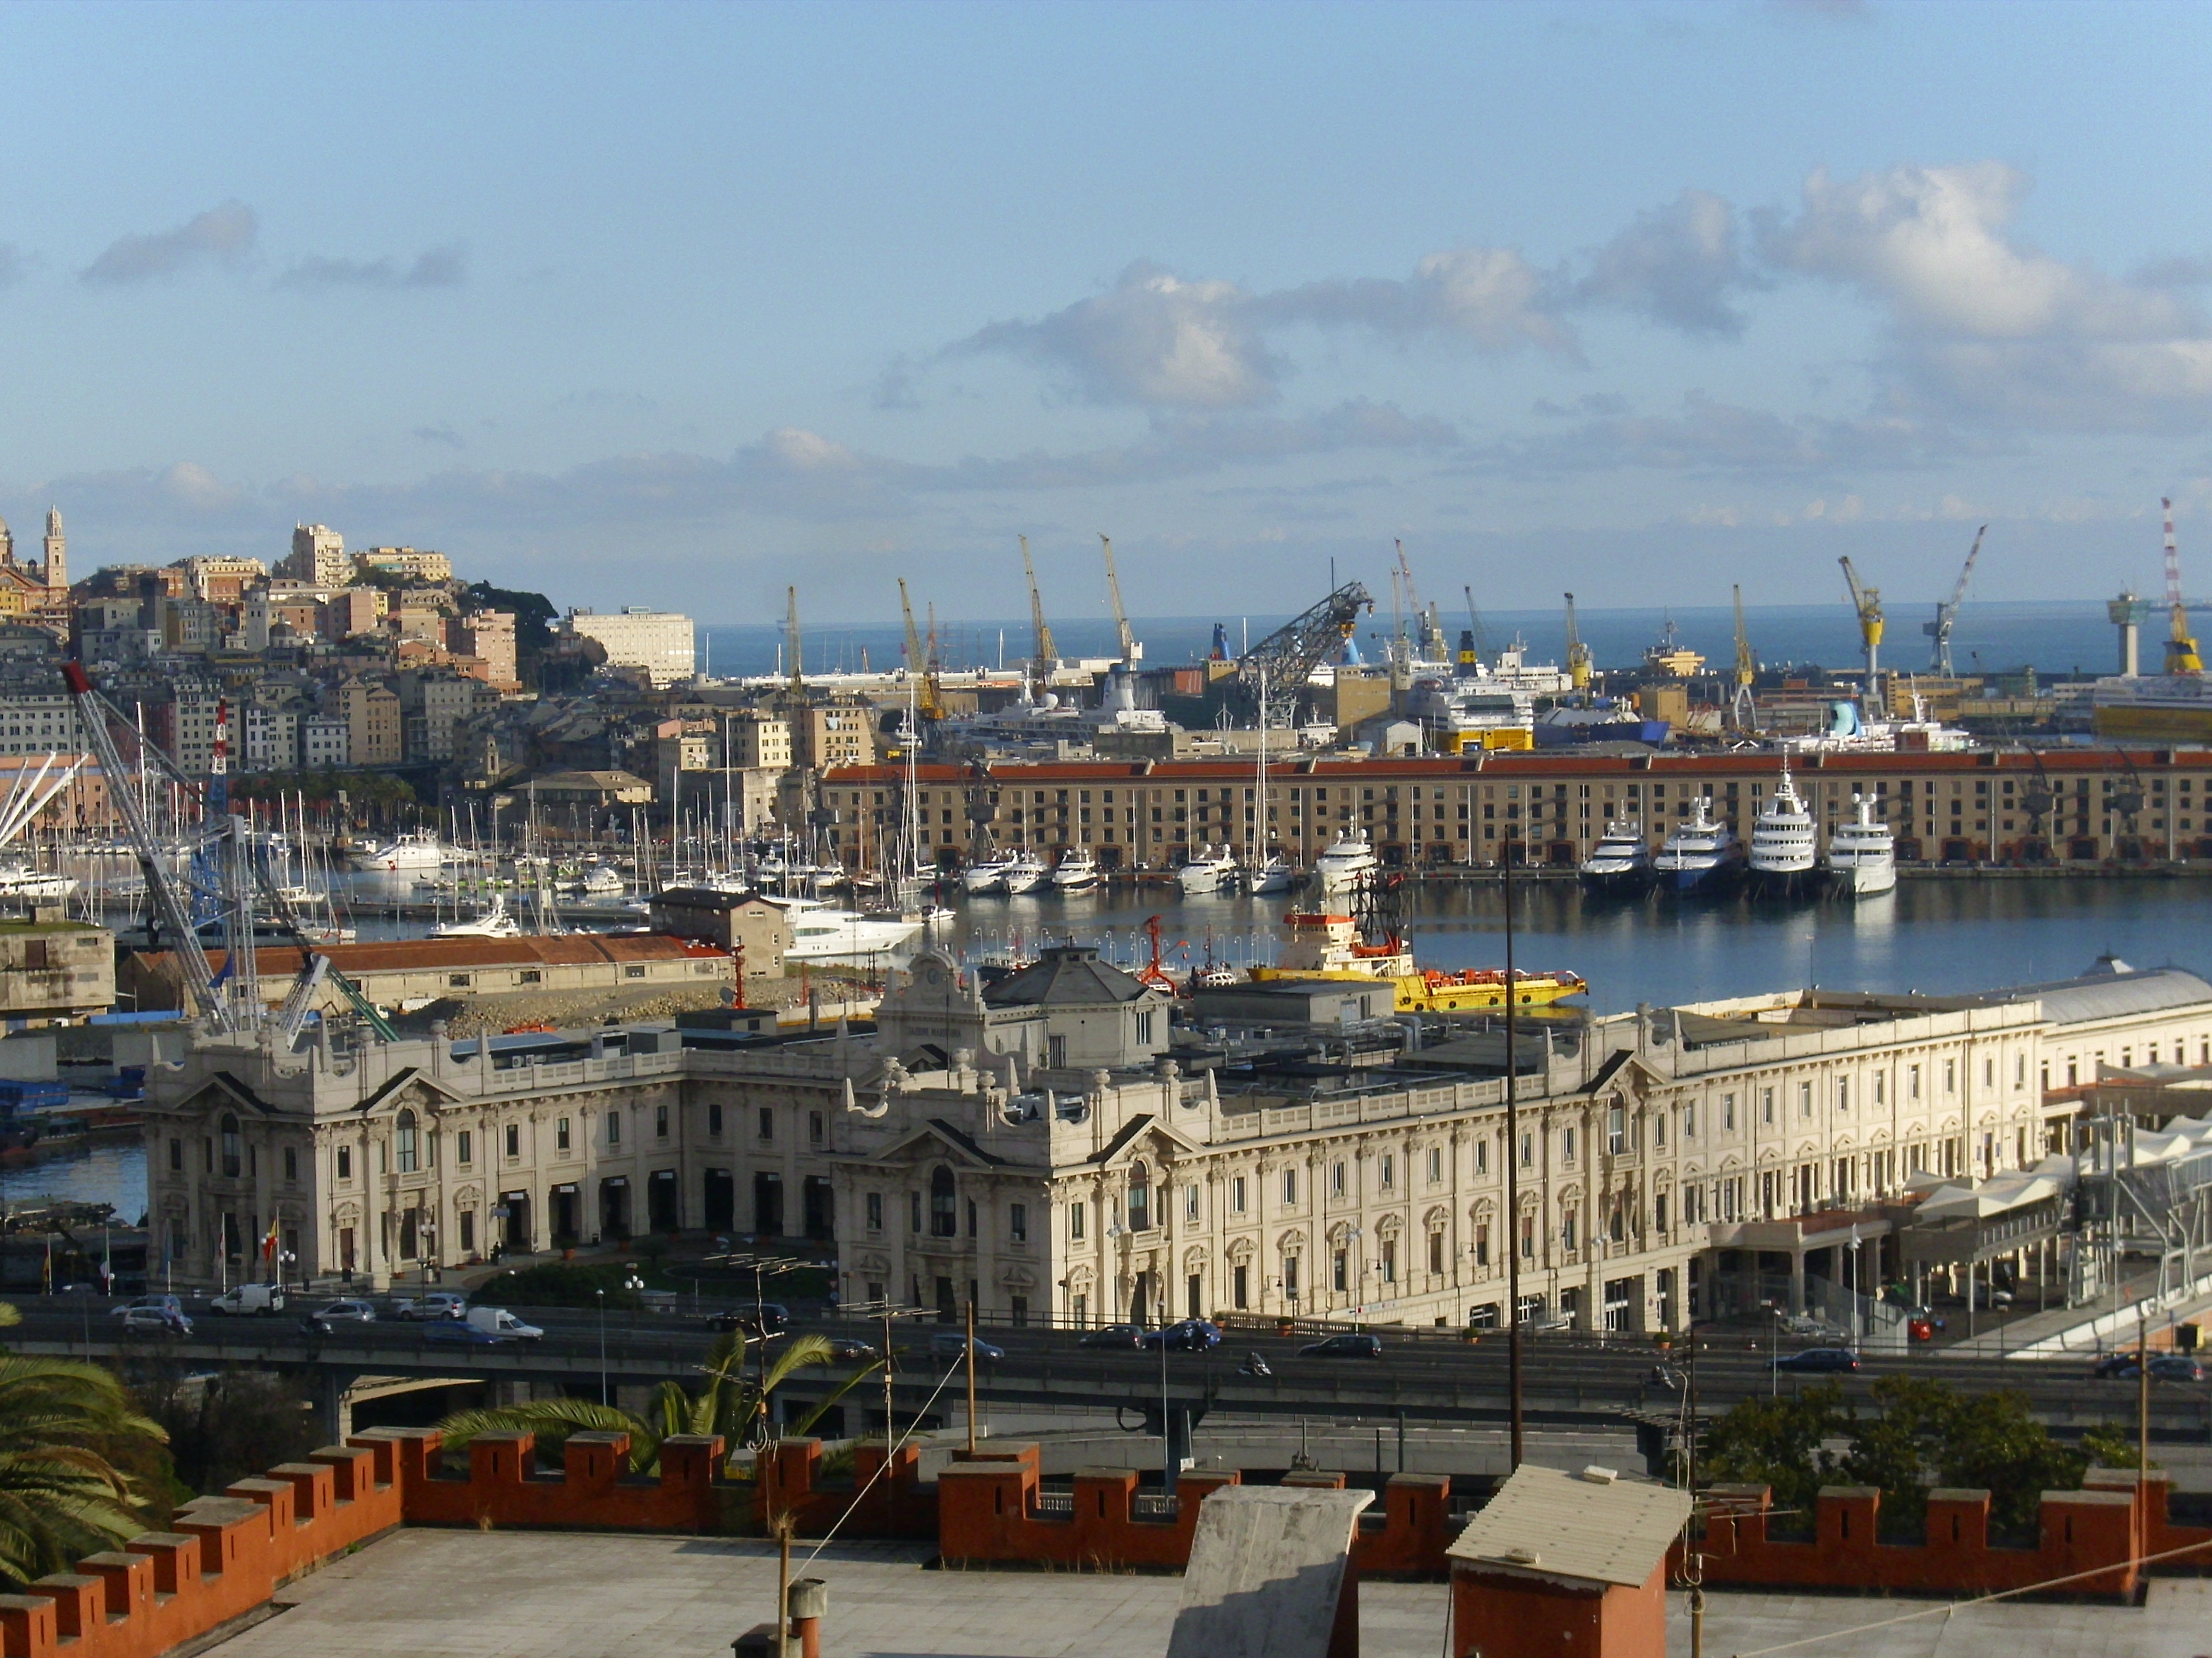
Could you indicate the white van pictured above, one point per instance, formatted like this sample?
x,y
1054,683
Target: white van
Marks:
x,y
498,1321
260,1299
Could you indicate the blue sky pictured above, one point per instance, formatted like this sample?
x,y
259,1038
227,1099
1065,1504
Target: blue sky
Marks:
x,y
669,304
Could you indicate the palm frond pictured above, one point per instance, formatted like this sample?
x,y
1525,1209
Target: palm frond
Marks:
x,y
553,1420
799,1430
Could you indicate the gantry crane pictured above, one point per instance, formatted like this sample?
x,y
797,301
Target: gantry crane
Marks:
x,y
1048,658
1579,656
1121,616
1743,713
796,676
921,666
1867,601
1939,630
2181,648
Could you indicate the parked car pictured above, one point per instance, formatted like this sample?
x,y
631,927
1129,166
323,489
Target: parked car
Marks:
x,y
846,1350
1805,1326
766,1320
162,1303
324,1320
156,1321
1818,1361
255,1300
950,1344
431,1304
1193,1335
1120,1338
1345,1346
498,1321
453,1332
2164,1367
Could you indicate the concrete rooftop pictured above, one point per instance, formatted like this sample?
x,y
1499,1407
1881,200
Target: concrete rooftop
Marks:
x,y
421,1593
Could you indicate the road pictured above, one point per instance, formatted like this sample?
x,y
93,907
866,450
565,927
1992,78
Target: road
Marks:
x,y
1567,1380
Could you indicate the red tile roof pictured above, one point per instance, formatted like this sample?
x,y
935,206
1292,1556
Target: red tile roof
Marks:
x,y
400,955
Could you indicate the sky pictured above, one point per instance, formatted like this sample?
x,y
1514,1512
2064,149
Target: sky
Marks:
x,y
675,305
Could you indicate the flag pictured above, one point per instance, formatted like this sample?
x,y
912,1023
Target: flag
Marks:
x,y
269,1243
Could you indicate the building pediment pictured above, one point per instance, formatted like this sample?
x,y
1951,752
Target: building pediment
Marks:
x,y
939,1138
1142,1133
407,1086
1623,1076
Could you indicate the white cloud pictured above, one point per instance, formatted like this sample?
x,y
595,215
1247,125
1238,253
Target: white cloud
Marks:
x,y
439,267
1680,265
223,235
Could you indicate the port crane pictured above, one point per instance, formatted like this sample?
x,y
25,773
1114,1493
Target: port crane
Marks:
x,y
1048,658
1579,656
929,699
1743,713
1867,601
1939,630
2181,647
1272,676
1477,632
1128,639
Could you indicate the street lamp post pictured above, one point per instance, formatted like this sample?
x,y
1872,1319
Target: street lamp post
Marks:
x,y
1512,1174
602,1295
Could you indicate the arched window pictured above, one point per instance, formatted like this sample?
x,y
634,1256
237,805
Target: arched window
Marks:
x,y
233,1158
405,1137
1140,1198
944,1210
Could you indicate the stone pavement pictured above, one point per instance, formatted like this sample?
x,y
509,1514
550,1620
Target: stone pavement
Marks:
x,y
423,1594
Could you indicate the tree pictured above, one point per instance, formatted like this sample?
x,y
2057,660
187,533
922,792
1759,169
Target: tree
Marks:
x,y
1779,1443
229,1427
534,616
63,1426
732,1404
2108,1445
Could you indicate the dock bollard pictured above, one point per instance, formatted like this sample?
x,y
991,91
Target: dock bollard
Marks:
x,y
809,1601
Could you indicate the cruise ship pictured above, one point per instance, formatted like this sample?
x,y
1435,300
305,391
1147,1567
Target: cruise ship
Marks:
x,y
1862,858
1700,856
1620,863
1782,860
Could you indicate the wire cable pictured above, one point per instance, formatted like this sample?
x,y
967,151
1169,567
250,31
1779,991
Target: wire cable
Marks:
x,y
884,1467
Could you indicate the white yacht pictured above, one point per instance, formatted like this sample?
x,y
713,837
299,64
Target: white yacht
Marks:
x,y
494,923
1621,860
988,874
1699,856
1348,861
415,849
1783,859
602,880
1209,870
1278,874
1028,872
1078,873
821,931
26,884
1862,857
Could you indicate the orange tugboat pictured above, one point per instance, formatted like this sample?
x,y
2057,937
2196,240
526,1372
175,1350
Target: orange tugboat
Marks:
x,y
1322,945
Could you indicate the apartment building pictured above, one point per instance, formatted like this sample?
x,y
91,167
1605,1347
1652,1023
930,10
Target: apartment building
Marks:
x,y
375,723
489,636
325,741
318,557
2076,806
428,568
660,642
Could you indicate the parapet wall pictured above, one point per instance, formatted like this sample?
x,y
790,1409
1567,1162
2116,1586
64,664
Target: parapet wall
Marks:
x,y
2092,1537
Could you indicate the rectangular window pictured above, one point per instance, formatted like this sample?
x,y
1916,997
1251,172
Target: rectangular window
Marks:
x,y
1335,1181
1880,1078
1389,1171
1290,1188
1567,1229
514,1139
1804,1099
1436,1253
814,1128
1076,1212
1567,1145
1145,1028
1950,1076
875,1211
1236,1194
1766,1106
767,1123
291,1158
914,1212
714,1118
1436,1165
1291,1277
1190,1203
1482,1156
1616,1130
1482,1244
561,1134
614,1127
1728,1114
1390,1260
660,1122
345,1163
1240,1286
1017,1221
464,1144
468,1231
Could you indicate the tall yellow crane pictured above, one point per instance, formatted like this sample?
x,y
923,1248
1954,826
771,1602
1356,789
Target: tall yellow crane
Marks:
x,y
1121,616
797,679
2181,648
1047,657
1867,601
1578,655
921,668
1743,713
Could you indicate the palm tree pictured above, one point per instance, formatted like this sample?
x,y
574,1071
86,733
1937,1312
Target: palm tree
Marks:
x,y
60,1498
732,1403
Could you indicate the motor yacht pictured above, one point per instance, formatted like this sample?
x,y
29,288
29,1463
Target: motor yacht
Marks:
x,y
821,931
1027,872
1861,858
1699,856
1278,874
415,849
987,875
1077,872
1209,870
1620,863
1782,860
1348,861
494,923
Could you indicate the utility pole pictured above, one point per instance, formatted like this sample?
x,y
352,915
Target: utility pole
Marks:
x,y
1512,1177
971,1378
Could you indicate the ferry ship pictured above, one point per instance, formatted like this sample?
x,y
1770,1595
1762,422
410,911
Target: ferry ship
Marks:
x,y
2153,707
1783,859
1862,857
1700,856
1324,946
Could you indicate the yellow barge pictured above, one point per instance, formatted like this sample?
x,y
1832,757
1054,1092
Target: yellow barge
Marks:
x,y
1326,946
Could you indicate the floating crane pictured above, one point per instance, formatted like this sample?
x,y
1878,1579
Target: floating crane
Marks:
x,y
1867,601
1121,616
1743,713
2181,649
1939,630
1272,676
797,679
1048,658
921,667
1579,656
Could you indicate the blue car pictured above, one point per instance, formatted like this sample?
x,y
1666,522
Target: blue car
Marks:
x,y
1819,1361
446,1334
1193,1335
